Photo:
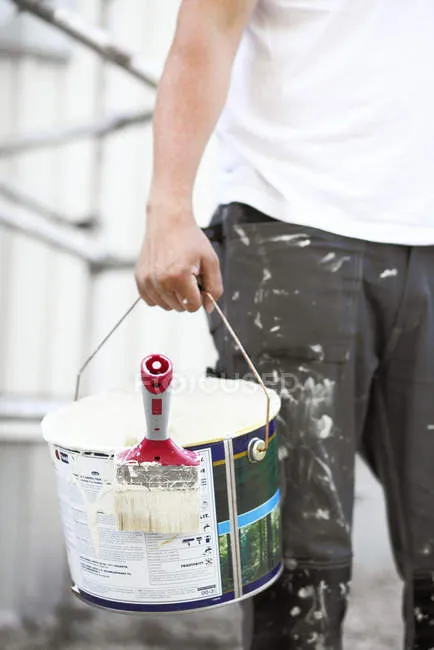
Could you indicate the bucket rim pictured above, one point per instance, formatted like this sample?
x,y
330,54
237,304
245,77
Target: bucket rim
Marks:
x,y
53,438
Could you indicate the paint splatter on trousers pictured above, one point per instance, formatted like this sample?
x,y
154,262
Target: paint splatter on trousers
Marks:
x,y
344,330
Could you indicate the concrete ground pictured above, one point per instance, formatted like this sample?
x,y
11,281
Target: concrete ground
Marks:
x,y
373,621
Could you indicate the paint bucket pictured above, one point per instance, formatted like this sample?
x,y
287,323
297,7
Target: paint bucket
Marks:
x,y
237,551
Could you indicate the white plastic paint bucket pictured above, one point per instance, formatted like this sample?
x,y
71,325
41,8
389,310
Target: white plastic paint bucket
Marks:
x,y
237,552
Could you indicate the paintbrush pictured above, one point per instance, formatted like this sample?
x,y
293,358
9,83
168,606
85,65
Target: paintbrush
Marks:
x,y
157,483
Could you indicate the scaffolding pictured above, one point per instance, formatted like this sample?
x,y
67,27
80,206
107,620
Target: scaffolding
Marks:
x,y
78,236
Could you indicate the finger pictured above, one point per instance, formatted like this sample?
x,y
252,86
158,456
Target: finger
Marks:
x,y
164,287
183,301
211,279
182,288
149,301
188,293
152,295
173,301
155,298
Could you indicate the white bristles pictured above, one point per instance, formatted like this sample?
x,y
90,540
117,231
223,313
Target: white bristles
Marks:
x,y
157,510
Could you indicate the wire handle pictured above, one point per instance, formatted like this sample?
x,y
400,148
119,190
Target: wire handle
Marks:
x,y
249,363
231,332
99,346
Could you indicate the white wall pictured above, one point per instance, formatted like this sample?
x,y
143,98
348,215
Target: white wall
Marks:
x,y
51,313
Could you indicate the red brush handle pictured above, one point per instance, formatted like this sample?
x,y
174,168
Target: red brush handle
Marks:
x,y
164,452
157,373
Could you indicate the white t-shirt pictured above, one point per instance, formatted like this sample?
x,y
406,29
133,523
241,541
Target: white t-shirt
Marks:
x,y
329,121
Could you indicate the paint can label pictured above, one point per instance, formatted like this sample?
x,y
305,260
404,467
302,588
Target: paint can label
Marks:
x,y
133,567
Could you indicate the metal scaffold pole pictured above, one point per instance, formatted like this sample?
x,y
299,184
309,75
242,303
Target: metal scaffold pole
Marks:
x,y
97,128
65,238
93,37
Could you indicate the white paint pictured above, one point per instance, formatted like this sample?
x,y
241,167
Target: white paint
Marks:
x,y
327,258
322,514
389,273
338,264
319,351
306,592
320,643
284,393
328,478
280,292
242,234
295,611
324,427
258,321
419,615
236,296
300,239
276,328
202,410
290,564
343,588
322,588
430,427
259,294
178,508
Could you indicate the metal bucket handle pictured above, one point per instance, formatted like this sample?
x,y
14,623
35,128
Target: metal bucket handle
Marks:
x,y
257,447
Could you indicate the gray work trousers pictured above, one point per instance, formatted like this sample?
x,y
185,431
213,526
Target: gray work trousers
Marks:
x,y
344,330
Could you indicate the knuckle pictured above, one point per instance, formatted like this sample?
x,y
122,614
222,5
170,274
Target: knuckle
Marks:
x,y
141,275
169,277
148,284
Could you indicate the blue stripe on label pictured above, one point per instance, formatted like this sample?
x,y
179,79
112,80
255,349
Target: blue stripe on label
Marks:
x,y
251,516
224,528
260,512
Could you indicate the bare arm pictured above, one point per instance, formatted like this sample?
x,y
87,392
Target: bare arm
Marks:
x,y
191,97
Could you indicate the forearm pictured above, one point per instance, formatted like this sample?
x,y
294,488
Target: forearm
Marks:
x,y
191,97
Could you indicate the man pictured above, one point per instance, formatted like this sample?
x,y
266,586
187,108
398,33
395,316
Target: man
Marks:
x,y
324,109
